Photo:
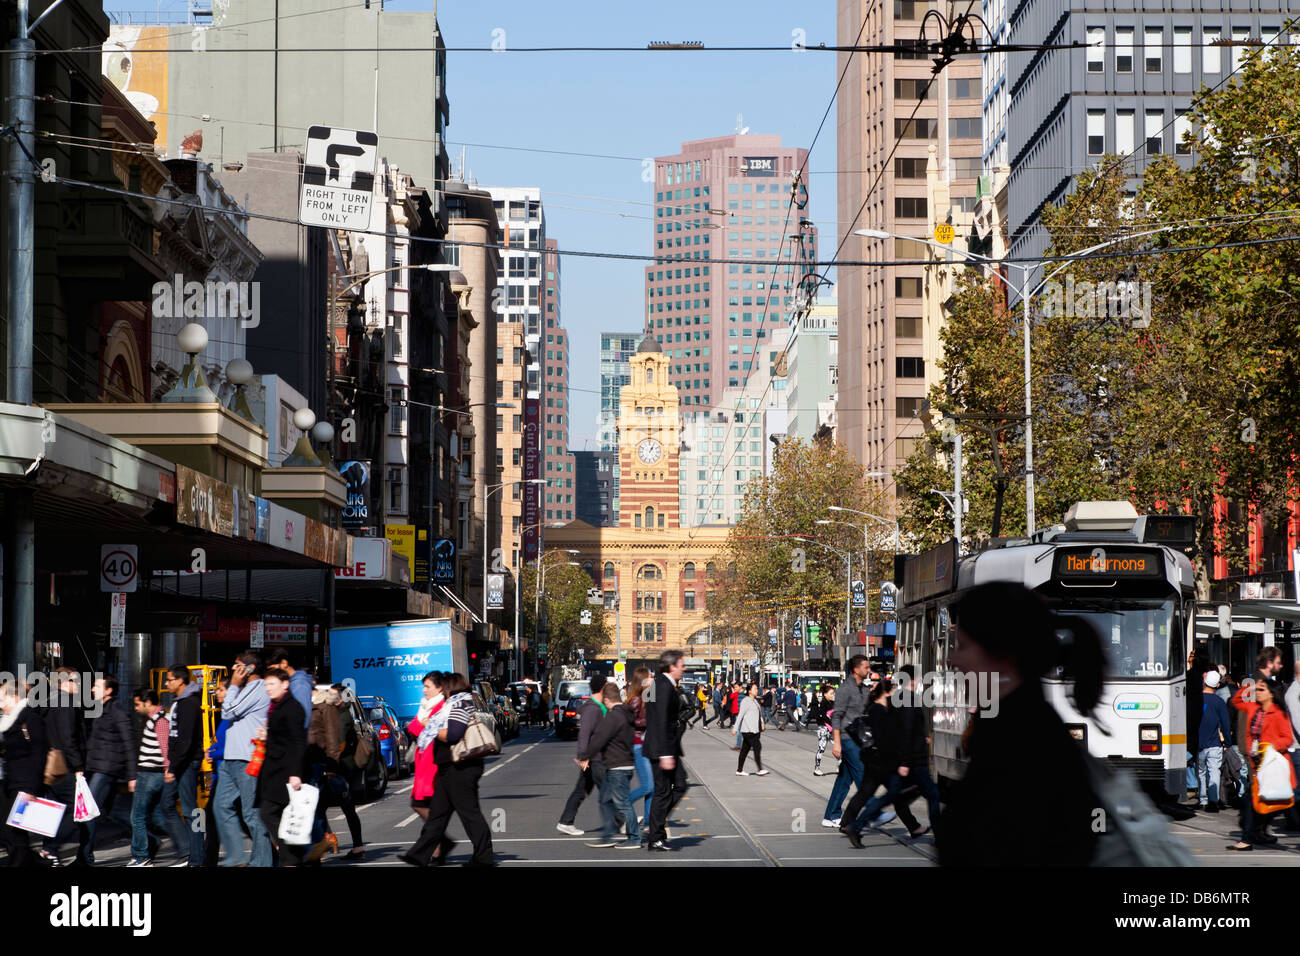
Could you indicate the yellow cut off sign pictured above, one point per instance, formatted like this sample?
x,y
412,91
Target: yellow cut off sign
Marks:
x,y
943,233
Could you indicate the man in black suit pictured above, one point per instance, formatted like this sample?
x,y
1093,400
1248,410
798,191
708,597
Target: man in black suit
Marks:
x,y
663,746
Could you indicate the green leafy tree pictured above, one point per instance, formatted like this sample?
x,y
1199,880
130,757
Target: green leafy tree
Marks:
x,y
777,572
1189,404
562,603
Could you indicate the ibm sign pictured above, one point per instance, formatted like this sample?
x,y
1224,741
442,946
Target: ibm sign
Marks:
x,y
760,166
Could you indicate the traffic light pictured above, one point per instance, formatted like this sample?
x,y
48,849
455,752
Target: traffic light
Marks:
x,y
473,656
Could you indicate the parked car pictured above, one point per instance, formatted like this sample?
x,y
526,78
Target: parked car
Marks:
x,y
566,717
565,694
495,704
511,716
395,745
374,778
484,713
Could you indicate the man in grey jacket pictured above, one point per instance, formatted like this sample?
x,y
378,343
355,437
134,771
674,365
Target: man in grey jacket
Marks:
x,y
591,774
245,707
850,704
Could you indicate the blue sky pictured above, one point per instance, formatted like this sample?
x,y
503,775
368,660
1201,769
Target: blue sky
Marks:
x,y
631,105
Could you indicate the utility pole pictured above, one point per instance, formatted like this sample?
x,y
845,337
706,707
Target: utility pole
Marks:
x,y
20,628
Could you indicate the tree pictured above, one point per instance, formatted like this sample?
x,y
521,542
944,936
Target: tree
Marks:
x,y
562,604
1189,407
776,572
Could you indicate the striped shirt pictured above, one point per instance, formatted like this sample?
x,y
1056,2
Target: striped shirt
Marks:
x,y
153,744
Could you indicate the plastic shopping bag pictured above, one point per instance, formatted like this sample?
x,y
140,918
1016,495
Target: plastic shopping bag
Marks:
x,y
299,815
84,806
1274,775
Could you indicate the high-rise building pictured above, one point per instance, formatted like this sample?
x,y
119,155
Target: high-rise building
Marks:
x,y
887,99
1128,92
732,197
593,488
557,460
471,220
730,444
518,313
260,75
812,367
616,351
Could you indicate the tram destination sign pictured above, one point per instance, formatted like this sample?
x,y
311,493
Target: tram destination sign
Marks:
x,y
1078,563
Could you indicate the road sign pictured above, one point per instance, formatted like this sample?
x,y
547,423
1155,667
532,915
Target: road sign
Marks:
x,y
595,596
119,567
859,592
943,233
585,616
814,634
117,621
496,584
798,629
338,179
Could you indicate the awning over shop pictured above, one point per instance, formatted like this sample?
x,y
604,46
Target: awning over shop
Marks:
x,y
90,489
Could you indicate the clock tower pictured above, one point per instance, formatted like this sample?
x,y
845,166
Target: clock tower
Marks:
x,y
649,442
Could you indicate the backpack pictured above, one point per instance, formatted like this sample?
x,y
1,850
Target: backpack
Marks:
x,y
1135,833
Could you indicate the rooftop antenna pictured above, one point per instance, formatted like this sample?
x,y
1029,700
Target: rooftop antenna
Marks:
x,y
741,128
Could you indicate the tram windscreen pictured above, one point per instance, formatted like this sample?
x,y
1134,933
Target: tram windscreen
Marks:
x,y
1140,635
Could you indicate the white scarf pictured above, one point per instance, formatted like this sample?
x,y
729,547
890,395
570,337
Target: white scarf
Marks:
x,y
9,719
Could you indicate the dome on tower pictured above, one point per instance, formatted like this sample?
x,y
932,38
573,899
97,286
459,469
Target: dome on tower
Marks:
x,y
648,344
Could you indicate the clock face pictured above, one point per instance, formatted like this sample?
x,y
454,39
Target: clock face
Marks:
x,y
649,451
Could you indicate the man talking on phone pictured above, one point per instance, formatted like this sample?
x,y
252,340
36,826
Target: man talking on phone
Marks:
x,y
245,707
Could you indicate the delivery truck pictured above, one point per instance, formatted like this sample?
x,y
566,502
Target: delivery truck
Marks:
x,y
390,660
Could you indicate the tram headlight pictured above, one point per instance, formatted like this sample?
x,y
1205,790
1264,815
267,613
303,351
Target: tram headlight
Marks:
x,y
1079,732
1149,739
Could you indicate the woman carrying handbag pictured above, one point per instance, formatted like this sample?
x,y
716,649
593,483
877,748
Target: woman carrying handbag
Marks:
x,y
456,789
1268,731
429,720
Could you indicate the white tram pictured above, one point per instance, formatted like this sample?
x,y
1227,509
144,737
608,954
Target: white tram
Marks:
x,y
1130,576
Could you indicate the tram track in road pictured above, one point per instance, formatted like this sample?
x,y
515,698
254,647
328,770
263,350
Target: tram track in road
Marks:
x,y
755,840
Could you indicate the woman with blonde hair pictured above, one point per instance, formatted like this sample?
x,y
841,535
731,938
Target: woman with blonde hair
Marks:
x,y
640,681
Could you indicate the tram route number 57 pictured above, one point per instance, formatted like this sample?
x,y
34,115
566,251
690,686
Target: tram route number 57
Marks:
x,y
119,567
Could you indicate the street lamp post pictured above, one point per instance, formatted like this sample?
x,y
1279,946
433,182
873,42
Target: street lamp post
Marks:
x,y
1026,294
539,584
493,489
848,581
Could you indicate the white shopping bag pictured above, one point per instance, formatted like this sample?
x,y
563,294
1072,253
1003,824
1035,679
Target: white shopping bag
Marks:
x,y
299,815
84,807
1274,775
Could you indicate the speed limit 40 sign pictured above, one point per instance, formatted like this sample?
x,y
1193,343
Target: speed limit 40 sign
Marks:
x,y
119,567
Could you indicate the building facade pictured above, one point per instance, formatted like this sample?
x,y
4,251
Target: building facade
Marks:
x,y
733,197
593,488
616,351
880,344
812,366
655,573
559,468
1127,93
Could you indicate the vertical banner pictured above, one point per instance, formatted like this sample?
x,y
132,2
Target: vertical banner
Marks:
x,y
533,468
356,513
